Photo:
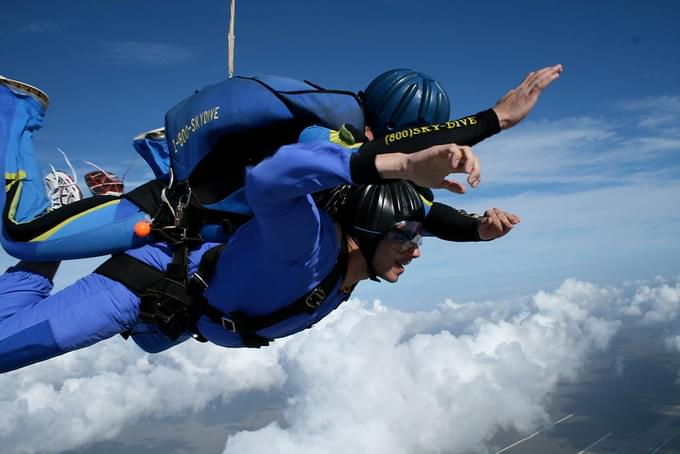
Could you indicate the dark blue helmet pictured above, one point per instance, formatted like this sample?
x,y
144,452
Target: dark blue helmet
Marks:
x,y
402,98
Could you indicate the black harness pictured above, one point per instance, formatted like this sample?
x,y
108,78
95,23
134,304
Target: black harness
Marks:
x,y
173,300
176,303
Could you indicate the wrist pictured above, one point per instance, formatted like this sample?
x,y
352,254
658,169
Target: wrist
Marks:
x,y
503,120
393,165
480,232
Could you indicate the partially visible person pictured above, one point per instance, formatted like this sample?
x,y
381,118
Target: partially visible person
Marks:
x,y
283,271
406,110
309,260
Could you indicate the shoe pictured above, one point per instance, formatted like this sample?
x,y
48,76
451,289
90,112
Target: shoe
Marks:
x,y
154,134
61,187
23,87
101,182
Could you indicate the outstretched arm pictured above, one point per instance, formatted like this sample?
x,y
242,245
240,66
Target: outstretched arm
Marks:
x,y
518,102
512,108
451,224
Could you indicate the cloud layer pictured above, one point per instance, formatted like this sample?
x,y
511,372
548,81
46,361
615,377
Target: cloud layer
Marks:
x,y
91,394
377,380
368,379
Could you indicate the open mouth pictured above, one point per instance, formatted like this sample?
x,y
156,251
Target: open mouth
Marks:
x,y
402,264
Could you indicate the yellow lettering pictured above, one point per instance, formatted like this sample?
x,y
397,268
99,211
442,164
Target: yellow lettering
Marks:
x,y
425,129
450,124
473,120
416,131
436,127
462,120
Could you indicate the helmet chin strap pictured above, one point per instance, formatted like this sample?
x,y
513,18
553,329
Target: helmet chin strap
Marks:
x,y
372,275
368,247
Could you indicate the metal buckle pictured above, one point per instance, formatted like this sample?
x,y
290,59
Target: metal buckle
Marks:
x,y
228,324
315,298
196,279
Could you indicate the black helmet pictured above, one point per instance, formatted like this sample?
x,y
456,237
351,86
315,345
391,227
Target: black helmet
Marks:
x,y
402,98
369,212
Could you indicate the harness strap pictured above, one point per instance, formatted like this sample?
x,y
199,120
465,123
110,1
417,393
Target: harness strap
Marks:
x,y
307,304
176,307
164,301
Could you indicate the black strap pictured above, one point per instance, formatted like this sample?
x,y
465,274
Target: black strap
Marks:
x,y
199,281
176,307
307,304
163,300
135,275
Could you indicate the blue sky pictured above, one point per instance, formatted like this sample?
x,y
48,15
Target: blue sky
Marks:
x,y
112,69
594,172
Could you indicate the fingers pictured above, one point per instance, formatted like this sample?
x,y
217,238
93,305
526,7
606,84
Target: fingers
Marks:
x,y
542,78
430,167
453,186
503,218
528,80
463,160
475,177
497,223
513,218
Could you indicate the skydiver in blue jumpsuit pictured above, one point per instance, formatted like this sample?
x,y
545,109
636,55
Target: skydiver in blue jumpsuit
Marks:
x,y
290,244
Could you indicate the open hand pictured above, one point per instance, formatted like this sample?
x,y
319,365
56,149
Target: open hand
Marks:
x,y
429,167
518,102
495,223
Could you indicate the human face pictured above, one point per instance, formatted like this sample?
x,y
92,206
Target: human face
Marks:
x,y
392,256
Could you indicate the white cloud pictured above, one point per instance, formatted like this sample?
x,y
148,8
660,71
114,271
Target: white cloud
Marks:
x,y
91,394
658,114
653,104
655,304
584,150
545,151
367,379
673,343
378,380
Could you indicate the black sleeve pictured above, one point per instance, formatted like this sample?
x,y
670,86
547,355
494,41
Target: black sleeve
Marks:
x,y
468,131
451,224
363,170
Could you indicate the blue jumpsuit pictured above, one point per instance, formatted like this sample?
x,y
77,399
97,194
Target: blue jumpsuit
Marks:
x,y
278,256
24,200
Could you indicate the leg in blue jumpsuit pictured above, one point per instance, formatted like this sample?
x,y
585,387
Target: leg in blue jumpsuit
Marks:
x,y
35,325
88,228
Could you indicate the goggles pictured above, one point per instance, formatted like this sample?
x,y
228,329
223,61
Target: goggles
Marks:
x,y
406,235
